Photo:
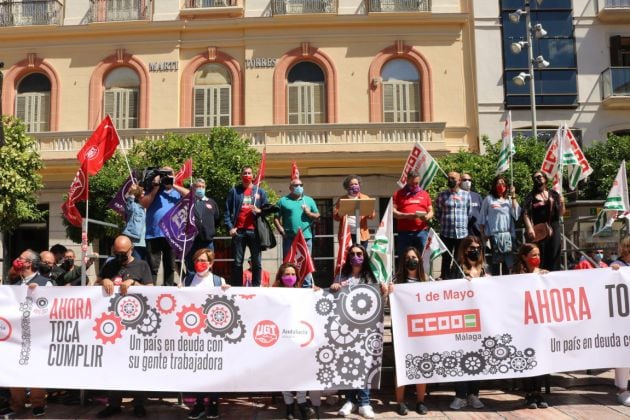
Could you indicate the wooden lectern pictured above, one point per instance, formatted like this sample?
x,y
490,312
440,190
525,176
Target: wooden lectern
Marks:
x,y
357,207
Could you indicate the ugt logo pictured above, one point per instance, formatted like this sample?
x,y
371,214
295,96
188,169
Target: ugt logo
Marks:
x,y
266,333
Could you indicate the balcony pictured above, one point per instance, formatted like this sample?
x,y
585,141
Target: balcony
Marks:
x,y
329,139
30,12
615,87
211,8
302,7
120,10
388,6
613,11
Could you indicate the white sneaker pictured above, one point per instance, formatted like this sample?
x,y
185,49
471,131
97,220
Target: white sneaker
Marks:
x,y
346,409
458,403
624,398
474,401
366,411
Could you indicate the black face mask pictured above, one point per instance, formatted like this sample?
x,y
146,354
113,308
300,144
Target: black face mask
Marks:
x,y
68,263
411,264
452,183
121,257
539,182
473,255
44,269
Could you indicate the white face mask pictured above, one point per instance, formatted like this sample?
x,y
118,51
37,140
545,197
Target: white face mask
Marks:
x,y
466,185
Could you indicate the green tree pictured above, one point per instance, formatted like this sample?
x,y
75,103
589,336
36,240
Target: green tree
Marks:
x,y
20,180
218,157
605,158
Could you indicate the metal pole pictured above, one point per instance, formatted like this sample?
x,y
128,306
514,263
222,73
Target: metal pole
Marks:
x,y
530,59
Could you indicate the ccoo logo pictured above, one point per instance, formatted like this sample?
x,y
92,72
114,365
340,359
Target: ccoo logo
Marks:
x,y
92,152
266,333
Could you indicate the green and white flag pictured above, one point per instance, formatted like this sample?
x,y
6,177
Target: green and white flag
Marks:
x,y
507,146
382,249
420,160
616,204
578,167
433,248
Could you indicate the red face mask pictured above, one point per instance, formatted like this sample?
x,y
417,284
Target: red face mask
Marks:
x,y
534,262
201,266
18,264
247,179
501,189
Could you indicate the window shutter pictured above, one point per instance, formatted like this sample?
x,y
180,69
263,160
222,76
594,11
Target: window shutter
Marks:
x,y
414,102
615,51
293,104
225,107
319,103
388,102
110,100
198,107
20,107
44,115
132,110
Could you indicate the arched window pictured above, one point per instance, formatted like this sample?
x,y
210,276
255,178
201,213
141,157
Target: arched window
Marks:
x,y
212,99
401,92
32,103
122,86
306,94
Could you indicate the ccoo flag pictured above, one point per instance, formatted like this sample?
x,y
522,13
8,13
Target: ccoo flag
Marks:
x,y
507,146
433,248
382,250
617,203
100,146
420,160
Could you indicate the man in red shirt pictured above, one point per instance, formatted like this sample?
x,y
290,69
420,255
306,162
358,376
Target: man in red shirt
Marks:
x,y
412,210
597,256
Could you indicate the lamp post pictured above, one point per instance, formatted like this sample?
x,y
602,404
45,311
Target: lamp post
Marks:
x,y
1,121
517,47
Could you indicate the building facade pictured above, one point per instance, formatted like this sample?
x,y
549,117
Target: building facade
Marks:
x,y
586,83
339,86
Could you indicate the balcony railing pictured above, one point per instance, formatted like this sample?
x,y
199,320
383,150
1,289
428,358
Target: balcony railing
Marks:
x,y
613,11
30,12
400,6
615,81
120,10
299,7
202,4
318,137
615,4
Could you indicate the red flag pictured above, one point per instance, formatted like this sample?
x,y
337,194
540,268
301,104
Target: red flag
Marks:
x,y
261,169
99,147
184,172
295,172
345,240
78,192
299,255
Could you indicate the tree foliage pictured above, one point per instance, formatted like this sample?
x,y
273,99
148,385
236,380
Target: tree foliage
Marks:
x,y
605,158
20,180
218,157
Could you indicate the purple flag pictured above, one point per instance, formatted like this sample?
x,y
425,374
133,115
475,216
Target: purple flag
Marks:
x,y
178,225
118,202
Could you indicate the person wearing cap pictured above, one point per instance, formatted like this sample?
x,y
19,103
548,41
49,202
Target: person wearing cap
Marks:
x,y
596,255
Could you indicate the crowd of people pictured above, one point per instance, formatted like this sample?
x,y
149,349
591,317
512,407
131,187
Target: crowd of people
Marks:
x,y
480,234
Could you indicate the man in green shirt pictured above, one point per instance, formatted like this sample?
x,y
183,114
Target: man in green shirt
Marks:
x,y
297,211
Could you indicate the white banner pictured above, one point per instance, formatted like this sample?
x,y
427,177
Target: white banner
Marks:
x,y
511,326
169,339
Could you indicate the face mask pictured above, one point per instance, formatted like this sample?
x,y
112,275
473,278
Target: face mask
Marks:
x,y
539,182
298,190
200,192
452,183
356,260
18,264
466,185
201,266
288,280
473,255
121,257
247,179
411,264
614,257
354,189
44,268
68,263
534,262
501,189
599,257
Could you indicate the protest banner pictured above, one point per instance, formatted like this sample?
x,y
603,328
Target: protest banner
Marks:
x,y
511,326
191,339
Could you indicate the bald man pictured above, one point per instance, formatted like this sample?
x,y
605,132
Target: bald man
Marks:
x,y
124,270
48,267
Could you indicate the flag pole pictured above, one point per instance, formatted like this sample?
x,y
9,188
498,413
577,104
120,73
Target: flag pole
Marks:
x,y
84,234
561,175
183,260
122,151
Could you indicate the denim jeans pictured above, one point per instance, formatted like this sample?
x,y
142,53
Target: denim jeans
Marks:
x,y
360,397
287,241
406,239
246,238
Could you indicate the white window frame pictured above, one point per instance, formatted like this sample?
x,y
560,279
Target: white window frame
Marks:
x,y
119,110
402,92
35,110
214,112
306,112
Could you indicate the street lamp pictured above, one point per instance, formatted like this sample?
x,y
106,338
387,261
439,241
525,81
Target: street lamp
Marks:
x,y
538,32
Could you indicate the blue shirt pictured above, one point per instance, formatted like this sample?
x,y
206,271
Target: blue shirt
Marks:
x,y
452,209
162,203
498,215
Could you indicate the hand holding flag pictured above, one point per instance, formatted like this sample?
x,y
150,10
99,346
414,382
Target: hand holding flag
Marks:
x,y
184,172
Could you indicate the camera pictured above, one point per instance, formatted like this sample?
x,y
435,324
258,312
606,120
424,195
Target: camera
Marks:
x,y
166,177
